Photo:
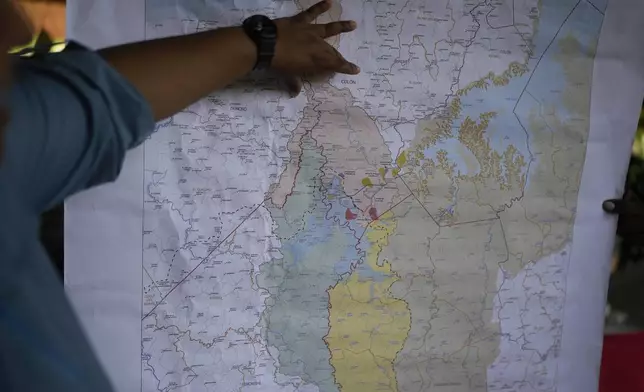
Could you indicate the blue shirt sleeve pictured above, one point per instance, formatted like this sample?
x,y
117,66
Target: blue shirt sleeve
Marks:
x,y
73,118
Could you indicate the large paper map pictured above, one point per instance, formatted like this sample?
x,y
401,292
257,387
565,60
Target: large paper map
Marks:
x,y
406,229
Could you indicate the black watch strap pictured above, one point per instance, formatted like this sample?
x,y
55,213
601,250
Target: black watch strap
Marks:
x,y
263,32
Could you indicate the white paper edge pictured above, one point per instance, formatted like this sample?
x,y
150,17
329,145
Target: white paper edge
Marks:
x,y
103,275
616,100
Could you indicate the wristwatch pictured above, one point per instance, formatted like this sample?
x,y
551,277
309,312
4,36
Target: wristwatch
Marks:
x,y
263,32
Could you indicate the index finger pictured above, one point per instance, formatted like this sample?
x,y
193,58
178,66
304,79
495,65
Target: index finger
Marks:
x,y
335,28
341,65
310,14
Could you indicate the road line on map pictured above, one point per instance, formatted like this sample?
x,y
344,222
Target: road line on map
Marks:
x,y
554,38
419,202
470,222
154,283
595,7
203,260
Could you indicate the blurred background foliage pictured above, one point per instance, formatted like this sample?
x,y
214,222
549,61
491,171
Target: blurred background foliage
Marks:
x,y
638,145
631,250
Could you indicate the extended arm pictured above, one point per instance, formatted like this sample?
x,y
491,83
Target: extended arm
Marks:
x,y
172,73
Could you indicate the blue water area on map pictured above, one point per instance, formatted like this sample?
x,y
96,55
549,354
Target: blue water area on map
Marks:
x,y
543,82
504,129
366,273
455,155
300,245
337,203
319,247
584,25
337,207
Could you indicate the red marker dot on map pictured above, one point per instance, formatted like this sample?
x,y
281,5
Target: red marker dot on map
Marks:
x,y
373,213
350,215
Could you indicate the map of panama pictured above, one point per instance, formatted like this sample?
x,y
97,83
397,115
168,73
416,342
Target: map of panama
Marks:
x,y
405,229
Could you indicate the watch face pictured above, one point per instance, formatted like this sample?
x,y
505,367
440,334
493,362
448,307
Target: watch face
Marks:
x,y
262,30
262,25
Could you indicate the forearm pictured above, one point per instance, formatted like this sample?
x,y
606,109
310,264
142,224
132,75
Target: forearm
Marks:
x,y
172,73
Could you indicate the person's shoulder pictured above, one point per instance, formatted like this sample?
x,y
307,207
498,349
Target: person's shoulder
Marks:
x,y
73,117
73,58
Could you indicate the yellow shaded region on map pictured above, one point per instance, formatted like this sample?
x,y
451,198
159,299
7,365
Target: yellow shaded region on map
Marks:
x,y
367,181
368,326
401,160
382,172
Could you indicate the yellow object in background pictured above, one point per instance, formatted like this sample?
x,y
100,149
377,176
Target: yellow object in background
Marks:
x,y
638,144
47,17
57,46
19,48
